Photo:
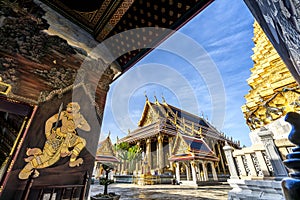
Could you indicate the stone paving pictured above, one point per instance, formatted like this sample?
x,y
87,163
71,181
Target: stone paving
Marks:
x,y
151,192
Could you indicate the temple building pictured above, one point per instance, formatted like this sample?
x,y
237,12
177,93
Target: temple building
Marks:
x,y
177,142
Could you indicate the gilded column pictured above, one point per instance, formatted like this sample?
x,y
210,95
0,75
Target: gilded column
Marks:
x,y
137,161
160,152
157,157
188,172
214,149
170,150
148,152
213,169
221,157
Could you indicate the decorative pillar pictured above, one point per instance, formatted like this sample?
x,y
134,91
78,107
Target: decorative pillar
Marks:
x,y
160,140
221,157
262,163
205,173
238,154
215,150
137,162
213,169
157,157
148,152
177,172
197,172
194,176
187,170
271,150
170,140
230,160
250,164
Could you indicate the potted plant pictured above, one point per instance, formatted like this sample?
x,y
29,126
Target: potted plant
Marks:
x,y
105,181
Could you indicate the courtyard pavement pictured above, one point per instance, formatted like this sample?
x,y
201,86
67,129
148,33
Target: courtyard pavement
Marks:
x,y
151,192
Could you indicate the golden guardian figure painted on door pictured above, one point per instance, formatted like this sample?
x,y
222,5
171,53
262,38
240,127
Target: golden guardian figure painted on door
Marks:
x,y
59,141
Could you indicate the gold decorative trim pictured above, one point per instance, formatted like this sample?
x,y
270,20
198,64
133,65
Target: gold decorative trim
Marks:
x,y
87,15
4,88
115,19
18,137
101,11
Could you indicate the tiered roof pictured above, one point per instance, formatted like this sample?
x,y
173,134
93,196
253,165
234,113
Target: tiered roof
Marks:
x,y
190,148
105,152
162,117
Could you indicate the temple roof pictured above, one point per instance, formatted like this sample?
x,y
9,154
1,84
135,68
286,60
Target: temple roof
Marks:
x,y
166,110
162,117
105,152
191,148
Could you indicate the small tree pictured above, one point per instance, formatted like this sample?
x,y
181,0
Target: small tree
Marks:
x,y
126,153
105,181
134,155
122,149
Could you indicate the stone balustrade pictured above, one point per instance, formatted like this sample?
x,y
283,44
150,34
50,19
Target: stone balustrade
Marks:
x,y
257,171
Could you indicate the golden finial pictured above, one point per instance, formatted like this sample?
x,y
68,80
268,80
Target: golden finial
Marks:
x,y
163,98
155,98
200,131
146,96
192,127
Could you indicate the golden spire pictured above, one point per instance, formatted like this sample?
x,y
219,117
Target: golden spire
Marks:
x,y
200,132
145,94
156,101
163,98
192,127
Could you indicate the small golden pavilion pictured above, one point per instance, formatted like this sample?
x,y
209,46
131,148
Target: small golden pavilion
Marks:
x,y
177,142
105,155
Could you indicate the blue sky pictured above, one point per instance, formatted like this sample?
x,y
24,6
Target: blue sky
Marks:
x,y
214,87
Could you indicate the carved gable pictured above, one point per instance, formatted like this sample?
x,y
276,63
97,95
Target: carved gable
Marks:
x,y
149,116
180,146
106,148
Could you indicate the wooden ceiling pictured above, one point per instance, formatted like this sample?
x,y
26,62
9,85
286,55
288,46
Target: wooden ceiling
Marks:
x,y
106,18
